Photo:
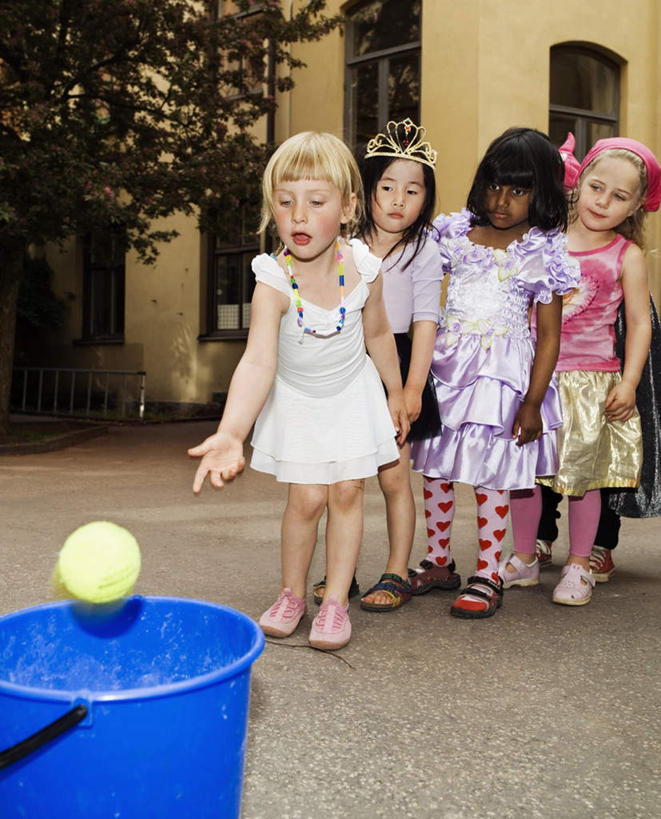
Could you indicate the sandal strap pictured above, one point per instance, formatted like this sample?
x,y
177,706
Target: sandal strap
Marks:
x,y
427,564
390,583
497,588
395,578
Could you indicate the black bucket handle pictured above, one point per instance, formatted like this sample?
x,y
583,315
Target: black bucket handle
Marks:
x,y
46,734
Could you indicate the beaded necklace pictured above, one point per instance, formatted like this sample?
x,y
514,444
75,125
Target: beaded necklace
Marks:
x,y
297,298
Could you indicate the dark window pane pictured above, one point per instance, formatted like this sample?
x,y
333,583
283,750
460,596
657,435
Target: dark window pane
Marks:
x,y
581,80
559,126
231,281
364,101
234,285
385,24
404,87
104,287
599,130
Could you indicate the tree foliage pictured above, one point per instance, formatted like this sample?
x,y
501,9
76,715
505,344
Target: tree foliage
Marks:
x,y
122,111
119,112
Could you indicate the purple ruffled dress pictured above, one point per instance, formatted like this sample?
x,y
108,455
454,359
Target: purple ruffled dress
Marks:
x,y
484,353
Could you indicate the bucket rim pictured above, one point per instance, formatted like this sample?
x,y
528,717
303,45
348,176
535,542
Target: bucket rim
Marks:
x,y
21,691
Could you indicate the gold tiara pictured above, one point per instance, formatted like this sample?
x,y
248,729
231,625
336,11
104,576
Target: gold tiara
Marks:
x,y
404,140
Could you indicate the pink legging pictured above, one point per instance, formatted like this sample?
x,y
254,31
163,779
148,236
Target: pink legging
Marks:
x,y
583,520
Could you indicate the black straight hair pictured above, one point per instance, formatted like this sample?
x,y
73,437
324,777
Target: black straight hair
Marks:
x,y
371,171
525,158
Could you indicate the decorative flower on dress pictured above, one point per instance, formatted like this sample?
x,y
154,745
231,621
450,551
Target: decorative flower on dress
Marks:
x,y
507,268
456,327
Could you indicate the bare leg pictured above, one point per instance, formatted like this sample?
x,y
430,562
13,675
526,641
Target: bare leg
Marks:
x,y
395,482
305,506
344,533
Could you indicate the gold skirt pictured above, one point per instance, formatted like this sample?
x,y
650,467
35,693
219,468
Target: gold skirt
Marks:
x,y
592,451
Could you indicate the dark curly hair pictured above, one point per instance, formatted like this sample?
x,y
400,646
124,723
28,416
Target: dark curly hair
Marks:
x,y
525,158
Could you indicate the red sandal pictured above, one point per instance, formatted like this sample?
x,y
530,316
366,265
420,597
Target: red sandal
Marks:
x,y
470,605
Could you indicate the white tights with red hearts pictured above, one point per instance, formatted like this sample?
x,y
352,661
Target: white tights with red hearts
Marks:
x,y
492,509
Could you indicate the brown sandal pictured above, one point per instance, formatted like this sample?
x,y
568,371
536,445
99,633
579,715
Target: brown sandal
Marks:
x,y
434,577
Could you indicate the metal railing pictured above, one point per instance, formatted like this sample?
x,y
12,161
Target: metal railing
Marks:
x,y
52,395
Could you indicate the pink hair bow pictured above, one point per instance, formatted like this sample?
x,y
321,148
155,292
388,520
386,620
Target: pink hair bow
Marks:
x,y
572,165
573,169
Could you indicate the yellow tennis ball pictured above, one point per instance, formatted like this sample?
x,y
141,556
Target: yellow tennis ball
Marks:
x,y
99,562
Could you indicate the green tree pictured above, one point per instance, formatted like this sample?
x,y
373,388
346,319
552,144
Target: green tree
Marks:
x,y
114,113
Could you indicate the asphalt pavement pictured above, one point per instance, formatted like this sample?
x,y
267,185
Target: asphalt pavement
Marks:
x,y
540,711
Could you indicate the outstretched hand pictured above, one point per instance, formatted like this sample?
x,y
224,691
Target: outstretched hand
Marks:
x,y
527,424
222,460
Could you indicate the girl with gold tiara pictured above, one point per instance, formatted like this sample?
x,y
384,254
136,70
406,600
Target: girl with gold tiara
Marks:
x,y
397,169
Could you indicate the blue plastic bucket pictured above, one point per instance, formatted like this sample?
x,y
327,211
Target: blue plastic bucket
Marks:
x,y
138,711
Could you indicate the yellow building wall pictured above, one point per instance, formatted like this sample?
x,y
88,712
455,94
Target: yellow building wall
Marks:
x,y
162,321
485,67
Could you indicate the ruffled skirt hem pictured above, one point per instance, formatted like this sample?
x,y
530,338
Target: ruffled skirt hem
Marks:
x,y
473,455
579,491
302,438
326,473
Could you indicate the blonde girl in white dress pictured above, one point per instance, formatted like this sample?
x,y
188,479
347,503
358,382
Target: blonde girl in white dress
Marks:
x,y
322,420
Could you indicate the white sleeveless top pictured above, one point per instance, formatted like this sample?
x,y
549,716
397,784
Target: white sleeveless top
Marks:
x,y
326,418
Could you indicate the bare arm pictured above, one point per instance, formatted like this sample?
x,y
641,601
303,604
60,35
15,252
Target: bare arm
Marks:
x,y
380,344
424,337
222,452
528,422
621,400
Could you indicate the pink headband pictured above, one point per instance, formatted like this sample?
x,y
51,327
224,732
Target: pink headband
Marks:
x,y
574,169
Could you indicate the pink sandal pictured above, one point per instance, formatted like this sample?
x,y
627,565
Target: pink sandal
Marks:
x,y
521,573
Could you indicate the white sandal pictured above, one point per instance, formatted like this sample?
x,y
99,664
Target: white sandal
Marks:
x,y
575,586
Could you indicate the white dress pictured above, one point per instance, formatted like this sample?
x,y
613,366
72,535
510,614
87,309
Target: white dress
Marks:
x,y
326,418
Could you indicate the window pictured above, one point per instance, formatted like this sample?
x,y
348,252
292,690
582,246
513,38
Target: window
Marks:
x,y
230,278
382,66
240,77
584,97
232,240
103,287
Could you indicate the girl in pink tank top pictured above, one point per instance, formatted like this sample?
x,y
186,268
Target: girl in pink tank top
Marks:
x,y
600,442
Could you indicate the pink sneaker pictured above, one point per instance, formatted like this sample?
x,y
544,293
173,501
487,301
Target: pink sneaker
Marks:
x,y
521,573
575,586
284,615
601,564
331,628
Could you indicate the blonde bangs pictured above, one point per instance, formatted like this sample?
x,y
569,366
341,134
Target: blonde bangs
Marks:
x,y
312,155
